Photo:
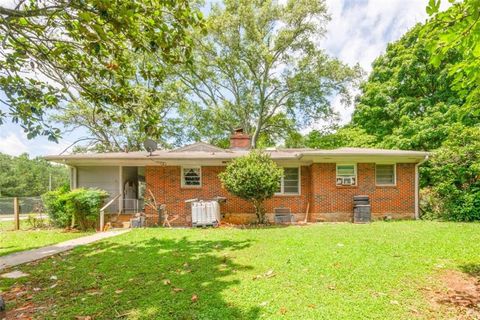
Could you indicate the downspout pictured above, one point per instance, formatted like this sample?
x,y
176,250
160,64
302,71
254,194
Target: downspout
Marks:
x,y
417,191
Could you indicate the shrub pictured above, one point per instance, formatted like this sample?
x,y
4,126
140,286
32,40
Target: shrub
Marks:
x,y
36,222
454,173
83,205
55,206
79,206
255,178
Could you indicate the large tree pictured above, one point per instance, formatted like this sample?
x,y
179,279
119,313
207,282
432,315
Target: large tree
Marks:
x,y
128,132
458,29
407,102
259,66
55,53
25,177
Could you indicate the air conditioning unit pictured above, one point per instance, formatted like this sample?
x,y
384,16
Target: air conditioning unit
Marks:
x,y
346,181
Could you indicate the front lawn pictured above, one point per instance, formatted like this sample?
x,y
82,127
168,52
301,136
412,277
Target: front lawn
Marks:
x,y
24,239
323,271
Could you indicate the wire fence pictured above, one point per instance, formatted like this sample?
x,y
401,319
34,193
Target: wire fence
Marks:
x,y
35,205
27,205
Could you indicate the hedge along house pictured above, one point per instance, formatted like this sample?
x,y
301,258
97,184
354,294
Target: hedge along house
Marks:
x,y
322,181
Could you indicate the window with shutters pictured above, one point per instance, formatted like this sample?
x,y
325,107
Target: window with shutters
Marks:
x,y
290,182
385,174
191,177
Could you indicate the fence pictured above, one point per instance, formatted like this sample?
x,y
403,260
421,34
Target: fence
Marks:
x,y
35,205
27,205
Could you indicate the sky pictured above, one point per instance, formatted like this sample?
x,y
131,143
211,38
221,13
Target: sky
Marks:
x,y
358,32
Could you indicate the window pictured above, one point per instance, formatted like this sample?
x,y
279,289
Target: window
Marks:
x,y
191,177
346,174
385,174
290,182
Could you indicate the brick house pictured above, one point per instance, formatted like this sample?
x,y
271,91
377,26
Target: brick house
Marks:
x,y
322,181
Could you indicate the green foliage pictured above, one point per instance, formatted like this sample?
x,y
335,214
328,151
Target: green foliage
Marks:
x,y
458,29
111,55
127,132
454,176
421,96
24,177
55,206
343,137
254,177
36,222
82,206
407,103
259,66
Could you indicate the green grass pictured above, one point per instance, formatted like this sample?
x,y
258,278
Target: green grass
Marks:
x,y
24,239
325,271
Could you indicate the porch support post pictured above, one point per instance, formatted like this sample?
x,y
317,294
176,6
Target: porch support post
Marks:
x,y
73,178
120,189
417,188
417,195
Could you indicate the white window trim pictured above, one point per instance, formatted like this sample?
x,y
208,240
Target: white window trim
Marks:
x,y
394,175
182,178
282,193
354,170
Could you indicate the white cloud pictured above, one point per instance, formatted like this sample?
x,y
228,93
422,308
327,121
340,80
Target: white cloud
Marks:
x,y
361,29
12,144
14,141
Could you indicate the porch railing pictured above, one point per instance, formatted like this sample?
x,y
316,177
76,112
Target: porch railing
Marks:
x,y
102,211
132,205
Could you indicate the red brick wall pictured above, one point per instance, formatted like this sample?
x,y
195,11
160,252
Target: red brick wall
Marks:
x,y
327,201
335,203
165,183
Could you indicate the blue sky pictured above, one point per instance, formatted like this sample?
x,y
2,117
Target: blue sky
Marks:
x,y
357,33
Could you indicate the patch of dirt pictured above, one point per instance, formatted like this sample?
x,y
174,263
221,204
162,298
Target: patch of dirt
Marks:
x,y
458,295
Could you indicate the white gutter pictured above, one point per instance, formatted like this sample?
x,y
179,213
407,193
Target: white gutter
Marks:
x,y
417,191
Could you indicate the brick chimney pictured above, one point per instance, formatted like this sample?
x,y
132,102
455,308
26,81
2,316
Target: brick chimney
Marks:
x,y
239,140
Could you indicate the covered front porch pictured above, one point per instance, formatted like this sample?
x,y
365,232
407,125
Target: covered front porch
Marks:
x,y
125,185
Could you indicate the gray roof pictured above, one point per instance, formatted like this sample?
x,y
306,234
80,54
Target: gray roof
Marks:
x,y
205,152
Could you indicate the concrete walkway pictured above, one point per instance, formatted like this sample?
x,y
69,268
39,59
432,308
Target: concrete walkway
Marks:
x,y
22,257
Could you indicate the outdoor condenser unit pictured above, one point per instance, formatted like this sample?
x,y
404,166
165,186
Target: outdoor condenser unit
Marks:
x,y
205,213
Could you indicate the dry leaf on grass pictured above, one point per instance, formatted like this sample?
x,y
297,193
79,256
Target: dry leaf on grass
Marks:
x,y
177,289
167,282
283,310
269,274
194,298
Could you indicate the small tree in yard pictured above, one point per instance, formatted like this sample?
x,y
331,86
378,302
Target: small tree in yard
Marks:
x,y
254,177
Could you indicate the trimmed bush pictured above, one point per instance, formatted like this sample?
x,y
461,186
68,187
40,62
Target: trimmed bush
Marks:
x,y
80,206
55,206
255,178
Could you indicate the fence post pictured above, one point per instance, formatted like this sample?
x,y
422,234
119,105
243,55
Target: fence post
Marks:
x,y
16,213
102,220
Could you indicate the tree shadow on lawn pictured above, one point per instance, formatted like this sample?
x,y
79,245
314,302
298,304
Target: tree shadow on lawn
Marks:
x,y
151,279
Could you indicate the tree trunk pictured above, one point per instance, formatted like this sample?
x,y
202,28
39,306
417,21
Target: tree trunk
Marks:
x,y
260,211
256,134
